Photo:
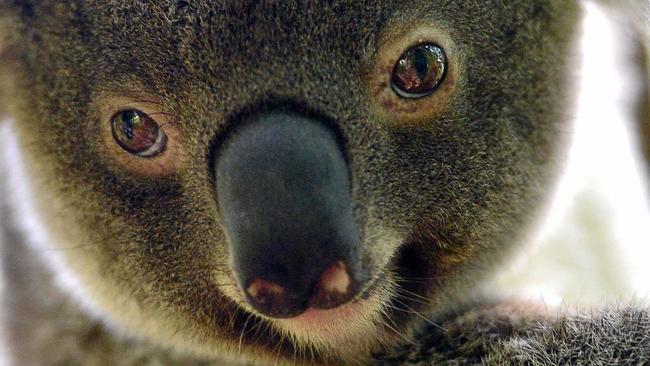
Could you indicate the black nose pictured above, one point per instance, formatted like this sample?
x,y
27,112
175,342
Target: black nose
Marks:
x,y
284,194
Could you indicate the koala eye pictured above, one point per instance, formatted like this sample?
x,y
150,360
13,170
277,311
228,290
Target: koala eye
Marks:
x,y
419,71
137,133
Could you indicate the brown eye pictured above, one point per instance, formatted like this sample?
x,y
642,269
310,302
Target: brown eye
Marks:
x,y
138,133
419,71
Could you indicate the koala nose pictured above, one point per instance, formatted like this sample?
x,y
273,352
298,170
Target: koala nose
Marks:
x,y
284,194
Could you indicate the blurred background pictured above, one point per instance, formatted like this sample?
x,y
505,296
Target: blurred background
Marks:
x,y
593,246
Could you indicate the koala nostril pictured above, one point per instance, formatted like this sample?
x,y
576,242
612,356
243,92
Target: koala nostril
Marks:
x,y
335,279
334,288
329,289
264,292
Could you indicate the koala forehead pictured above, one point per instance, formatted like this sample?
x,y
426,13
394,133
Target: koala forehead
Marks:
x,y
241,50
249,43
210,60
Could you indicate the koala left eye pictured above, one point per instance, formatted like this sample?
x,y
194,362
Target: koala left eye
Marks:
x,y
419,71
137,133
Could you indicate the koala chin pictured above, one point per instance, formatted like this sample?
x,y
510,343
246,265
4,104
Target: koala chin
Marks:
x,y
291,183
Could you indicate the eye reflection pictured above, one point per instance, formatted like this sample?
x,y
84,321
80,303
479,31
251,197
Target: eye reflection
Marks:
x,y
137,133
419,71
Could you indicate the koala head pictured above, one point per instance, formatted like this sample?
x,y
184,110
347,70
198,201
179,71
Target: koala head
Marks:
x,y
286,180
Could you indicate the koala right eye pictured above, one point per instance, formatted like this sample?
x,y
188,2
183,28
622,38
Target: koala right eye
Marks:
x,y
137,133
414,78
419,71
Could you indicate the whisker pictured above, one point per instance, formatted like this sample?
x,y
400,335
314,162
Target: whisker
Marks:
x,y
70,248
399,333
279,348
413,296
243,331
421,316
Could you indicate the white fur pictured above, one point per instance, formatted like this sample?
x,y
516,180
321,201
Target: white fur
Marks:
x,y
27,220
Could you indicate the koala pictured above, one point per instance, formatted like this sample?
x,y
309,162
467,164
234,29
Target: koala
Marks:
x,y
291,183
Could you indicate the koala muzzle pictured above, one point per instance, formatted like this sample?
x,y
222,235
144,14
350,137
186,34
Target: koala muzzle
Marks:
x,y
284,194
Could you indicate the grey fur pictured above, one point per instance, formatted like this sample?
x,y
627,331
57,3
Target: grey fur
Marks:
x,y
613,336
455,190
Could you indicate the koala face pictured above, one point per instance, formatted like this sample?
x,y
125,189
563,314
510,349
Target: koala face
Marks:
x,y
287,180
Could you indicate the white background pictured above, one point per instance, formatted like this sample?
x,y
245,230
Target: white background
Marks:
x,y
594,246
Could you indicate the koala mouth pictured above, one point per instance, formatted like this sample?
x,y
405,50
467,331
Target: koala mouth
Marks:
x,y
382,311
393,299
